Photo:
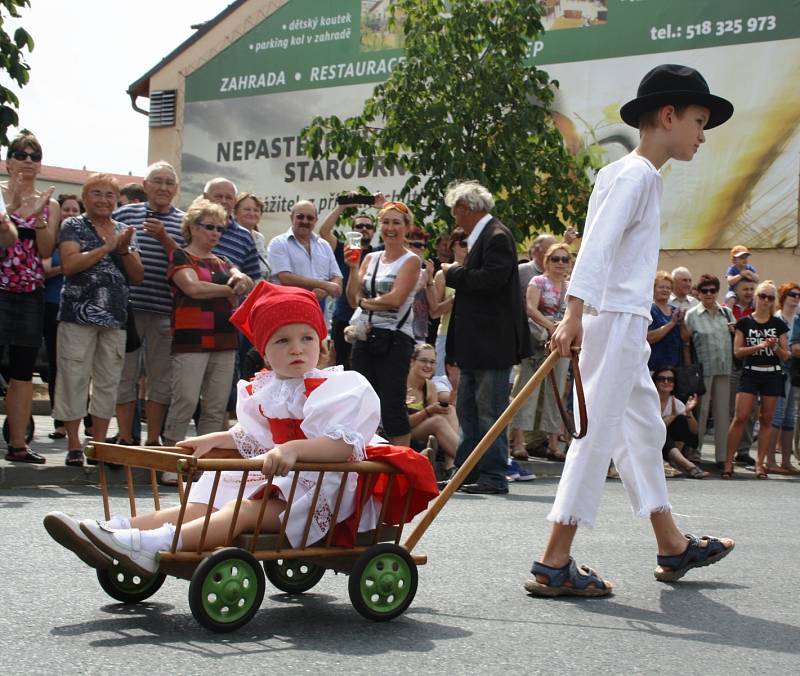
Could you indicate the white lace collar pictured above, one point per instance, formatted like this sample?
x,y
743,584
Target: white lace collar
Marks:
x,y
284,397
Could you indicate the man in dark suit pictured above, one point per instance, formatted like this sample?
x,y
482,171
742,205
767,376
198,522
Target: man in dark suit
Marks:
x,y
488,330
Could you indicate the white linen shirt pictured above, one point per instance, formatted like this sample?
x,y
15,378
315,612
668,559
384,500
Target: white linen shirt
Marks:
x,y
477,230
618,258
286,254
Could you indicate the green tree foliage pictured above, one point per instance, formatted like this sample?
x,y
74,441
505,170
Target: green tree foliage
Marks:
x,y
12,63
466,104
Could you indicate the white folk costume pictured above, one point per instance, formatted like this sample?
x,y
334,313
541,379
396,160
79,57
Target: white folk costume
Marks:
x,y
613,275
325,403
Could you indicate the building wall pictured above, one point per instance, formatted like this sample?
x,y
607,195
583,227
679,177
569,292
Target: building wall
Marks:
x,y
166,142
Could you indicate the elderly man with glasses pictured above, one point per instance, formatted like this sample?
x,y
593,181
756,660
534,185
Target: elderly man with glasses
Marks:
x,y
158,233
708,326
300,257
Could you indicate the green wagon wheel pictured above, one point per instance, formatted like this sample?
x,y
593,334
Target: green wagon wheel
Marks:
x,y
226,589
122,585
383,582
293,576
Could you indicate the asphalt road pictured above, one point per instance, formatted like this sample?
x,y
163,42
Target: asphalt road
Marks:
x,y
470,614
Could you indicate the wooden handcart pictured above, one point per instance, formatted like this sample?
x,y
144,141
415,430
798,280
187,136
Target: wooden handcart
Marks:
x,y
227,584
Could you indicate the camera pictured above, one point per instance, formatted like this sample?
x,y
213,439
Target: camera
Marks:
x,y
355,199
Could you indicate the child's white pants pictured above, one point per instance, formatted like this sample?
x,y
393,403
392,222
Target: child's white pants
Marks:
x,y
624,423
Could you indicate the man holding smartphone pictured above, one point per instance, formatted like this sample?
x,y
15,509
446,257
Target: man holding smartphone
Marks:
x,y
363,224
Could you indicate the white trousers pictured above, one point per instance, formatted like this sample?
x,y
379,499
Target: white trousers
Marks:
x,y
624,423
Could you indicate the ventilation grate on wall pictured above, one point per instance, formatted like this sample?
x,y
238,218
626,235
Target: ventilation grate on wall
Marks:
x,y
163,104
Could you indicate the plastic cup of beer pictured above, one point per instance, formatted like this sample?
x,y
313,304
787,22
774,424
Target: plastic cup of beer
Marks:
x,y
352,247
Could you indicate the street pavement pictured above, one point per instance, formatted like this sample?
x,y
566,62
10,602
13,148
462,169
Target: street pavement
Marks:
x,y
470,614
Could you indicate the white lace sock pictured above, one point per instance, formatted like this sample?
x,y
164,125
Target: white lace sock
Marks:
x,y
117,522
152,541
158,539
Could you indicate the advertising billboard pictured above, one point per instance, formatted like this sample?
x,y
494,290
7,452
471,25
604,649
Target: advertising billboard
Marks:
x,y
245,107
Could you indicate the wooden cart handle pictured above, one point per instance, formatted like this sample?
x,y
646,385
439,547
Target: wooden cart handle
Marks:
x,y
494,431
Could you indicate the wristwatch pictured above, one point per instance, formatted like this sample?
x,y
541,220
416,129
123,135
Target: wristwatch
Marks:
x,y
129,250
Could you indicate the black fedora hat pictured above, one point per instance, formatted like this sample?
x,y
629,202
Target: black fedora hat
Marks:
x,y
669,84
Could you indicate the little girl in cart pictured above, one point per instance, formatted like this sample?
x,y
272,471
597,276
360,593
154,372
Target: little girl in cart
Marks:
x,y
291,413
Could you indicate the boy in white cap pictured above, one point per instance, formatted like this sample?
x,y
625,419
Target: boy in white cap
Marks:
x,y
607,316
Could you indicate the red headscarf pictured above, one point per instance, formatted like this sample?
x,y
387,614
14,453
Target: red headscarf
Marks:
x,y
268,307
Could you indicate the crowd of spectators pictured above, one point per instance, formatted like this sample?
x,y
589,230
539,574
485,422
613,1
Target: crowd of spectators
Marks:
x,y
132,297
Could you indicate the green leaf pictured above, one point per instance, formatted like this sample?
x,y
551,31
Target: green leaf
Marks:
x,y
465,103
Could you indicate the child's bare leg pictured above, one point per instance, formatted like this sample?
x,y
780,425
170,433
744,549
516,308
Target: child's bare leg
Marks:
x,y
559,545
194,510
669,538
220,523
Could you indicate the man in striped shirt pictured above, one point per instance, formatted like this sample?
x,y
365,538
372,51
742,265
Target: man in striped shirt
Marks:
x,y
158,232
236,243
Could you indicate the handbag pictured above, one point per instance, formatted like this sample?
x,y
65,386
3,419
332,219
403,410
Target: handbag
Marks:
x,y
689,381
380,340
132,340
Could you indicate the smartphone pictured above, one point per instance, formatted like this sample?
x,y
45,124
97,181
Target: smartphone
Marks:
x,y
356,199
444,403
149,213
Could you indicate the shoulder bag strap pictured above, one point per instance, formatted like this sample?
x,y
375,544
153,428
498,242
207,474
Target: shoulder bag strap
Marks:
x,y
372,292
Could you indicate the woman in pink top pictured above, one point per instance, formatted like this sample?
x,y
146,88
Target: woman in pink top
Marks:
x,y
36,217
545,300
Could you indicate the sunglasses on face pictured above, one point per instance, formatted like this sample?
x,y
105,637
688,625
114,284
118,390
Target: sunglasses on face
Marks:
x,y
363,226
398,206
766,296
664,379
211,227
417,245
794,294
22,155
559,259
461,243
305,217
707,289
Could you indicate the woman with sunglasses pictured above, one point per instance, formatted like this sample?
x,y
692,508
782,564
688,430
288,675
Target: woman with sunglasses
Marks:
x,y
35,217
680,423
545,302
760,341
204,342
781,434
709,327
382,286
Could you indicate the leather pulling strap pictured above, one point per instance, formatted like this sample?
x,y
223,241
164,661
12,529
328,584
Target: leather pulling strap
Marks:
x,y
569,422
